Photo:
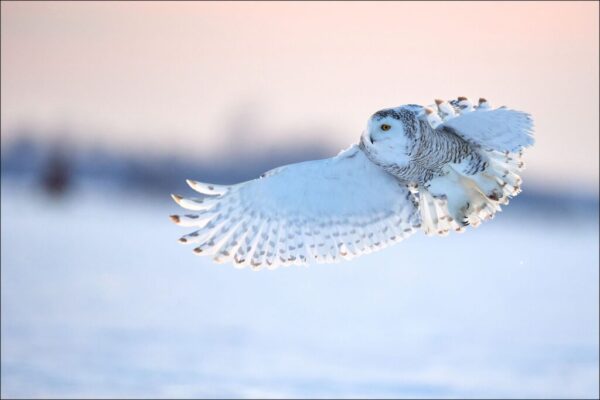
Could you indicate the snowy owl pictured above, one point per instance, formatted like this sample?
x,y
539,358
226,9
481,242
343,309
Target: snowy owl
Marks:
x,y
438,168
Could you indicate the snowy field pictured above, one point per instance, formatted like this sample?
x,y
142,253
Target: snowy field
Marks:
x,y
99,300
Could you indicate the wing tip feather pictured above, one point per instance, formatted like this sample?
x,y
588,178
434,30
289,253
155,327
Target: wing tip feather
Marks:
x,y
208,189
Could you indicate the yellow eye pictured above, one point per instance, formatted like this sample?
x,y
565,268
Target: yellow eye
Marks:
x,y
385,127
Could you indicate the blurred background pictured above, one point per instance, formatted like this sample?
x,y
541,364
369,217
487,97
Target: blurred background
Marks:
x,y
108,106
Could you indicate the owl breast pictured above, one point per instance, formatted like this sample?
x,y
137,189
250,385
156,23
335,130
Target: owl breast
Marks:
x,y
427,158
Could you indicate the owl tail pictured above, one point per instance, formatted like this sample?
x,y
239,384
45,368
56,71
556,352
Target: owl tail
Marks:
x,y
457,199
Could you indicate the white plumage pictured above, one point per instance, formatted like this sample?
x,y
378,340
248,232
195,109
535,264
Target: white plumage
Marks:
x,y
323,210
498,129
445,110
413,168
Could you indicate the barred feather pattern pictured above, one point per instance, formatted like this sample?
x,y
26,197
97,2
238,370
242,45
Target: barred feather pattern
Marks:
x,y
463,195
456,200
436,149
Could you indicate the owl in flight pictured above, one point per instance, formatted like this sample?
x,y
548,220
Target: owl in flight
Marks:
x,y
438,168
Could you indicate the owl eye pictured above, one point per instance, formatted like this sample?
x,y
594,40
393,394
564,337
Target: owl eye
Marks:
x,y
385,127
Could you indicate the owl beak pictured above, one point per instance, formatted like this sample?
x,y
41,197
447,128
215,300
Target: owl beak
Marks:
x,y
366,138
365,135
370,138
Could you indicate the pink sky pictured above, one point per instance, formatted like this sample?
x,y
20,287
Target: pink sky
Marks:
x,y
175,75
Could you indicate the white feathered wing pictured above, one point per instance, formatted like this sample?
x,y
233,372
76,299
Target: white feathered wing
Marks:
x,y
323,210
500,129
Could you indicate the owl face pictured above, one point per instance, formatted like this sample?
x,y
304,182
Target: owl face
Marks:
x,y
391,134
385,129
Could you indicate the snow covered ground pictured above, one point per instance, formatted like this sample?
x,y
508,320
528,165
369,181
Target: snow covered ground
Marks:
x,y
99,300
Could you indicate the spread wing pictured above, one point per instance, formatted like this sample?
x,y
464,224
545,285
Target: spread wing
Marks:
x,y
499,129
323,210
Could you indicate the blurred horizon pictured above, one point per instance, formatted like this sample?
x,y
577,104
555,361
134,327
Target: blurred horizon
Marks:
x,y
200,79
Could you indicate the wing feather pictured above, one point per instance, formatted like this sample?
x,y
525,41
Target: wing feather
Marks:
x,y
499,129
324,211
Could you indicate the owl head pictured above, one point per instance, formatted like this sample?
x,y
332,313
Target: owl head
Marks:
x,y
392,134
